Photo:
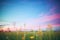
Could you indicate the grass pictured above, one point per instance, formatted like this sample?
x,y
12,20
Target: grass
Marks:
x,y
29,36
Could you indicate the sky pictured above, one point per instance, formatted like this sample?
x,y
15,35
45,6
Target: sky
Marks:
x,y
33,13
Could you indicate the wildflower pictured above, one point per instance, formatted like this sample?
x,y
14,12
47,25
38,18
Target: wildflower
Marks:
x,y
32,37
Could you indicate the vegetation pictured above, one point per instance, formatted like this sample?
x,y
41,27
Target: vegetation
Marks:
x,y
30,35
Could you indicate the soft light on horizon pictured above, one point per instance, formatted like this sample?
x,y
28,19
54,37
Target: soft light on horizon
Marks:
x,y
32,13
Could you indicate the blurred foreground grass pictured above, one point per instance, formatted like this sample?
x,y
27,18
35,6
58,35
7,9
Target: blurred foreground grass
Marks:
x,y
29,36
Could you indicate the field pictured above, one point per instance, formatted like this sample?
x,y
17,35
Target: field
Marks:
x,y
29,35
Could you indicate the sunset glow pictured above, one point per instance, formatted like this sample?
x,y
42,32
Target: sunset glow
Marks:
x,y
34,14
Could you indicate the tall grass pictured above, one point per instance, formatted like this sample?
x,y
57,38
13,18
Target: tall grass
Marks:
x,y
50,35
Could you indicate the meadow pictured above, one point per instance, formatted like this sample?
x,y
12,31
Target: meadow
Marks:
x,y
32,35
